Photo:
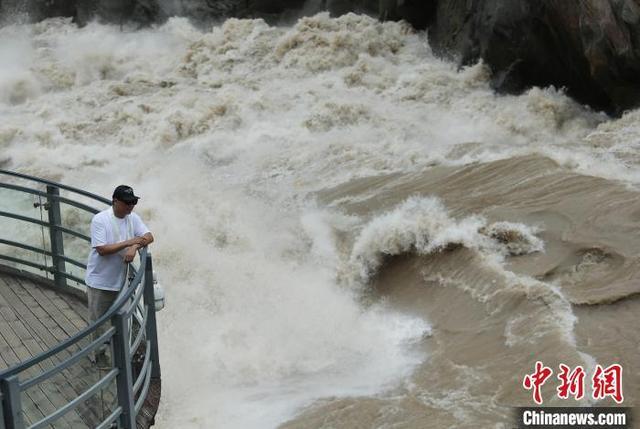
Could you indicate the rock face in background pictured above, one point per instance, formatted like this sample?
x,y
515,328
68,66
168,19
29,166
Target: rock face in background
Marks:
x,y
35,10
589,47
146,12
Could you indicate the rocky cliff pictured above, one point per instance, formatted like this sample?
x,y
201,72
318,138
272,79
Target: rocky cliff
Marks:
x,y
590,47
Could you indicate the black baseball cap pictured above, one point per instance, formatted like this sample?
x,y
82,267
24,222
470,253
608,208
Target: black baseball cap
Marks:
x,y
125,193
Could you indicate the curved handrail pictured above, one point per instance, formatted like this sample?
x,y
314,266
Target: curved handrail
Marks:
x,y
61,199
132,391
58,185
122,298
56,228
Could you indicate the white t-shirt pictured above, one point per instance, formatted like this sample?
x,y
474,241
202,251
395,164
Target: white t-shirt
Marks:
x,y
108,272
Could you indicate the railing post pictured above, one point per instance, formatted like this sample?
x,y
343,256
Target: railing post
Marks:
x,y
151,328
57,245
122,361
11,403
2,421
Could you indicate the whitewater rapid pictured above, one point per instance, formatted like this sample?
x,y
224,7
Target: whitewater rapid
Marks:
x,y
232,134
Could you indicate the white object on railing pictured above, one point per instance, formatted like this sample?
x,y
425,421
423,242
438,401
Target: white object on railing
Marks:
x,y
158,293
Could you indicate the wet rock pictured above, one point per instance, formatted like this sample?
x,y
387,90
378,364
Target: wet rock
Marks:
x,y
35,10
592,47
416,12
143,12
199,11
339,7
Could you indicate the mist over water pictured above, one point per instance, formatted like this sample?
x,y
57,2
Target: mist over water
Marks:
x,y
294,178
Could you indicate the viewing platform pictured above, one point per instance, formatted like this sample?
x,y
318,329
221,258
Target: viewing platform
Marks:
x,y
47,378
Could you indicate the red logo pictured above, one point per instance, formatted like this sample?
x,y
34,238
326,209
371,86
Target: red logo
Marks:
x,y
536,380
608,382
605,382
572,382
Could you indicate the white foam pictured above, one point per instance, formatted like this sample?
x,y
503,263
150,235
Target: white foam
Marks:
x,y
555,316
17,81
517,238
421,225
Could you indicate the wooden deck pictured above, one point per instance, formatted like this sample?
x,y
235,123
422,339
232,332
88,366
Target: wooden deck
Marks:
x,y
35,318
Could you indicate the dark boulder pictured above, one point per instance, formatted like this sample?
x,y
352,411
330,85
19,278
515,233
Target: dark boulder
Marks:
x,y
203,12
591,47
339,7
35,10
142,12
416,12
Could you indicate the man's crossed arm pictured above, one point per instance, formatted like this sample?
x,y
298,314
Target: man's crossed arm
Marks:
x,y
132,245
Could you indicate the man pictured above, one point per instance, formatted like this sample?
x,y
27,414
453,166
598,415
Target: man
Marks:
x,y
116,236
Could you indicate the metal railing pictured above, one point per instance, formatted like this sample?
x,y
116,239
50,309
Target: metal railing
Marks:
x,y
129,326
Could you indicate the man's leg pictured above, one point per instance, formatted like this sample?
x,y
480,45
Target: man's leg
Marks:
x,y
98,302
